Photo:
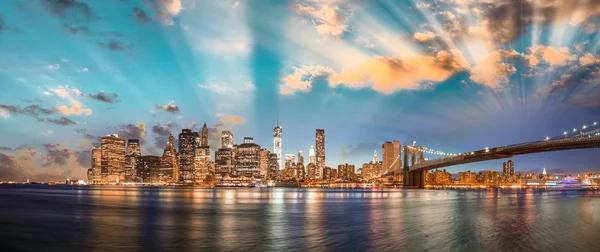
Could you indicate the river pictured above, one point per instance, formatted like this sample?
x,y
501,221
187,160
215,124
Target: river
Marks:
x,y
112,218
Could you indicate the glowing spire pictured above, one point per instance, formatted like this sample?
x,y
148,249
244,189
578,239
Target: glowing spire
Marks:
x,y
375,161
544,172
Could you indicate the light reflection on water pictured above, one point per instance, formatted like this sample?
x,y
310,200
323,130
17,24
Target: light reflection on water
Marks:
x,y
35,218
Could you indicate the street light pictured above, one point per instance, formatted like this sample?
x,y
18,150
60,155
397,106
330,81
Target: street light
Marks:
x,y
547,138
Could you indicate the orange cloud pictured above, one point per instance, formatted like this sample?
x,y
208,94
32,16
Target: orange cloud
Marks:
x,y
389,74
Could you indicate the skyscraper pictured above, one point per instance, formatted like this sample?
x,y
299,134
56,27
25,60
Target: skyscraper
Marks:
x,y
508,170
277,147
391,156
96,165
224,162
300,158
169,165
147,168
273,166
247,158
187,140
113,159
227,139
204,135
131,154
264,162
290,161
320,143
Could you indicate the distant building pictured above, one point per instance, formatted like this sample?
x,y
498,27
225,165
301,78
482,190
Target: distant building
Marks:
x,y
468,177
204,136
273,166
227,139
168,168
438,177
372,169
264,163
96,165
300,159
391,156
508,171
277,144
311,155
224,163
131,154
320,155
247,158
346,172
147,169
187,140
113,159
290,161
311,170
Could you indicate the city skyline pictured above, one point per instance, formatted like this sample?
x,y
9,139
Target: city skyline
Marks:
x,y
147,69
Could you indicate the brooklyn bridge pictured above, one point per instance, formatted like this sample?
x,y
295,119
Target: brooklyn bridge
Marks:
x,y
415,165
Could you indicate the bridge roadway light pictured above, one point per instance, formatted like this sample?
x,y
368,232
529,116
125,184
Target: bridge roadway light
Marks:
x,y
584,127
574,130
547,138
595,123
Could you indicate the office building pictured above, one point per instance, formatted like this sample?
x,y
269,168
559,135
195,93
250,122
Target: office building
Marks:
x,y
187,140
346,172
168,168
391,159
227,139
113,159
277,145
147,169
320,155
247,158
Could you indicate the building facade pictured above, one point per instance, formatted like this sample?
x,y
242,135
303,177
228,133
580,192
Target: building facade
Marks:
x,y
391,156
277,145
247,158
346,172
187,142
227,139
168,168
320,153
113,159
96,165
148,169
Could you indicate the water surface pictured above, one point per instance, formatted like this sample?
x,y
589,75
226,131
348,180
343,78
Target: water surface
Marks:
x,y
103,218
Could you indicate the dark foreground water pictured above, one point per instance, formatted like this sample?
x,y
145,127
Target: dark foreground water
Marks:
x,y
71,218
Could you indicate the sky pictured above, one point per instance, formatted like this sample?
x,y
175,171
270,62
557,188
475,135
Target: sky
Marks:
x,y
452,75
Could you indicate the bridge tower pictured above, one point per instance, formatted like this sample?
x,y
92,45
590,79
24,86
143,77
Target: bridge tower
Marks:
x,y
413,178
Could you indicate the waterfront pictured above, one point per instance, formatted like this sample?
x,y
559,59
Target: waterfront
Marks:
x,y
109,218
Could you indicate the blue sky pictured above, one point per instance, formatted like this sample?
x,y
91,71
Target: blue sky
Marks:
x,y
453,75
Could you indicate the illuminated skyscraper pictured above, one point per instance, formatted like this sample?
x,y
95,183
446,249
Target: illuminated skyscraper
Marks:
x,y
320,162
345,171
374,161
204,135
227,139
273,166
247,158
300,158
96,165
147,169
169,165
311,155
187,140
223,162
131,154
113,159
277,147
264,162
290,161
391,156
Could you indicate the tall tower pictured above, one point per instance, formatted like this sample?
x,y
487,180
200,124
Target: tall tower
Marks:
x,y
187,143
320,142
277,144
300,158
204,135
375,161
311,155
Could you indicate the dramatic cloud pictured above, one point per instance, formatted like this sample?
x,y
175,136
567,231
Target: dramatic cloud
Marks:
x,y
328,18
574,81
302,78
588,59
490,69
104,97
553,55
59,121
508,19
140,15
130,131
426,36
54,162
166,10
389,74
162,133
76,107
36,112
169,107
114,45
